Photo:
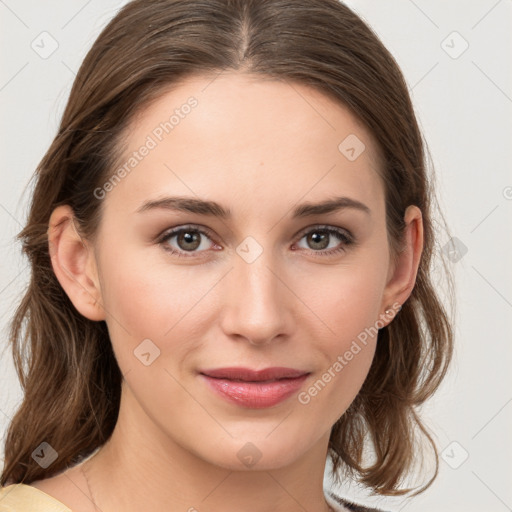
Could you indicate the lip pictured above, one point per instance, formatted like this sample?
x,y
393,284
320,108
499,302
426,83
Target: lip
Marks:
x,y
246,374
256,389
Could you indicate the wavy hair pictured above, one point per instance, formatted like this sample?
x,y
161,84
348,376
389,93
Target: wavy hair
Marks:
x,y
68,372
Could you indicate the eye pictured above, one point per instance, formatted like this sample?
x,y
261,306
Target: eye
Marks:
x,y
188,240
319,239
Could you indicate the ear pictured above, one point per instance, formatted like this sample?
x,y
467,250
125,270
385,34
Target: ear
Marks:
x,y
403,270
74,264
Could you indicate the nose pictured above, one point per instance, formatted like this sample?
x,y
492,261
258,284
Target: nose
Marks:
x,y
258,305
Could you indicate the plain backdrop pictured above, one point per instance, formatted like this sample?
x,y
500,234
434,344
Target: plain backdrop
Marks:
x,y
456,56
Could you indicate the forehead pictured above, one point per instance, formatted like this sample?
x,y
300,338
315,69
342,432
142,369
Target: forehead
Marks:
x,y
258,140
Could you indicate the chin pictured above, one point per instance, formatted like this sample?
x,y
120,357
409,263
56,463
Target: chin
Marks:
x,y
256,453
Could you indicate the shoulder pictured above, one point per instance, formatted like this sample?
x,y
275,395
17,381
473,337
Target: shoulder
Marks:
x,y
348,505
26,498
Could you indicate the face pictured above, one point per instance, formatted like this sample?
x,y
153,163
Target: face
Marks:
x,y
269,284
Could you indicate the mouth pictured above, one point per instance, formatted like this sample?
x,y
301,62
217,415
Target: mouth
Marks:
x,y
249,375
255,389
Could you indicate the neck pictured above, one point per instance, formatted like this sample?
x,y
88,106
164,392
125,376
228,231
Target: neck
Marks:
x,y
139,468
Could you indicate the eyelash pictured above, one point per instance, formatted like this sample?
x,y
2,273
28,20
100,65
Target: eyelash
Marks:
x,y
341,234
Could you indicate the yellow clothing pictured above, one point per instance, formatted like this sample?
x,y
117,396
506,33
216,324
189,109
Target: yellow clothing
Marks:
x,y
25,498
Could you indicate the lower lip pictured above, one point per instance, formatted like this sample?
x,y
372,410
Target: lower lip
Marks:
x,y
256,395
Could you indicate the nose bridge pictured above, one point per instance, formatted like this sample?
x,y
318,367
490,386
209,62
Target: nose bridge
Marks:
x,y
255,305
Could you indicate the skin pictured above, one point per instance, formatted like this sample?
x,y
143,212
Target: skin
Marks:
x,y
257,147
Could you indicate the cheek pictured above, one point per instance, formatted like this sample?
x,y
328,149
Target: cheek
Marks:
x,y
347,355
346,299
145,298
166,305
348,306
163,305
351,349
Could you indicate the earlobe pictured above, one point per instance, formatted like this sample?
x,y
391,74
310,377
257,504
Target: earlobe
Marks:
x,y
74,264
403,273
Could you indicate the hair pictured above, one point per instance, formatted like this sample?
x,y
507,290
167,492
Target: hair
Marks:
x,y
65,363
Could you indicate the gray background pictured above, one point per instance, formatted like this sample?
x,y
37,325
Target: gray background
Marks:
x,y
463,98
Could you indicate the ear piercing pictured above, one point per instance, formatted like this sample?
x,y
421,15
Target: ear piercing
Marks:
x,y
390,311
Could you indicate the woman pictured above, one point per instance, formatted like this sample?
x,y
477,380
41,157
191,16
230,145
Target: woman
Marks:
x,y
231,240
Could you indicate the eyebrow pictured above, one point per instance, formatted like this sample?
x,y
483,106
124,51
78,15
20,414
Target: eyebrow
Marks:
x,y
213,209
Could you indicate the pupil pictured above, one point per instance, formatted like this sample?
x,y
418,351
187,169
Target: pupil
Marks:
x,y
318,239
189,239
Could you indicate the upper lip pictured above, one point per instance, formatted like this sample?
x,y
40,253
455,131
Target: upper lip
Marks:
x,y
246,374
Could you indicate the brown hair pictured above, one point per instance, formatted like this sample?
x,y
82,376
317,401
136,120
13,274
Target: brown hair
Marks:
x,y
71,381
